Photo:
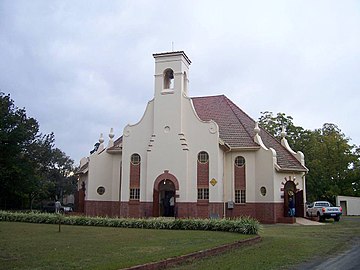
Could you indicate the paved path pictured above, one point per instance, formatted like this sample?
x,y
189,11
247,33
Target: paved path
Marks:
x,y
305,221
346,260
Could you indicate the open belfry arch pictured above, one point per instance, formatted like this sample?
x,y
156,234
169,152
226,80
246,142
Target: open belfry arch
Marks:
x,y
190,157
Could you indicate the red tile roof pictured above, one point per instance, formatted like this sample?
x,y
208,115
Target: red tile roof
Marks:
x,y
236,128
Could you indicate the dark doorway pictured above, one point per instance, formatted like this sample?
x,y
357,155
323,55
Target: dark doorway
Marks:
x,y
166,198
343,204
299,204
289,195
80,199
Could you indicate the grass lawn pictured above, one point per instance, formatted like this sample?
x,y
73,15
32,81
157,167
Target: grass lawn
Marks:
x,y
285,245
41,246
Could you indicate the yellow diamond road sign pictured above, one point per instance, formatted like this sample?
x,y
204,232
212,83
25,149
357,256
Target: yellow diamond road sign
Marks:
x,y
213,182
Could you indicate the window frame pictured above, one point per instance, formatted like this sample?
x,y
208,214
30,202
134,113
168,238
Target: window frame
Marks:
x,y
203,194
134,194
240,196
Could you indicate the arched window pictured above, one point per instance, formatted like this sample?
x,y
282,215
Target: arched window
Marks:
x,y
168,79
135,159
203,157
203,176
240,179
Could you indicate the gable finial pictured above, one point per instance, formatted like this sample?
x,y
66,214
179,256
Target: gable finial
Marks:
x,y
101,139
256,128
111,137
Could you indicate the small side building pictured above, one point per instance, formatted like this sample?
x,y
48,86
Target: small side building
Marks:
x,y
350,205
195,157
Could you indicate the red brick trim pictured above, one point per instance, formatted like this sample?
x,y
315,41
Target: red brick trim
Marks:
x,y
162,177
195,255
134,175
202,175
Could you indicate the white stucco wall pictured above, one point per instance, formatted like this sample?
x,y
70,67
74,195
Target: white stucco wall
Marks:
x,y
264,175
352,205
104,170
174,146
169,137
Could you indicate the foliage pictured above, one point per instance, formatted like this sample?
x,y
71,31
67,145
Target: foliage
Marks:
x,y
31,168
334,164
243,225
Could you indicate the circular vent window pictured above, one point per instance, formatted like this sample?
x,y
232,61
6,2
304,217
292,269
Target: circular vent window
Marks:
x,y
263,191
100,190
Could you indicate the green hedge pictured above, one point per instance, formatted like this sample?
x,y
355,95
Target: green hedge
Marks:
x,y
243,225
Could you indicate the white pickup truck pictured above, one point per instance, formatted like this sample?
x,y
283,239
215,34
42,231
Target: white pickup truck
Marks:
x,y
323,210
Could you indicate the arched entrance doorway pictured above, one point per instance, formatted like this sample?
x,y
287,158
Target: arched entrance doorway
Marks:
x,y
164,195
166,198
291,193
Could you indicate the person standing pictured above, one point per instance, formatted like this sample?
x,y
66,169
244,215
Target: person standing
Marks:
x,y
291,207
172,204
57,206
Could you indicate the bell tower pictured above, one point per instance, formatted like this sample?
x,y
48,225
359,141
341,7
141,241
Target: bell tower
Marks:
x,y
171,90
171,73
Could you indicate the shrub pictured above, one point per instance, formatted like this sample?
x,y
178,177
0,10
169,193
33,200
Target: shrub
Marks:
x,y
243,225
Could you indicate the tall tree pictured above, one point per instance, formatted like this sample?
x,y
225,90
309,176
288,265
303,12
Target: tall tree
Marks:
x,y
17,133
31,168
332,162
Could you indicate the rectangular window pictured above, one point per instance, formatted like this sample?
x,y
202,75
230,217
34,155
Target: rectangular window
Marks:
x,y
240,196
203,193
134,193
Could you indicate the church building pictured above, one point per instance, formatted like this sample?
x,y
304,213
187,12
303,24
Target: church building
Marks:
x,y
199,157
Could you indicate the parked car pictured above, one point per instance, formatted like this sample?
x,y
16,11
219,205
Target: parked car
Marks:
x,y
50,208
323,210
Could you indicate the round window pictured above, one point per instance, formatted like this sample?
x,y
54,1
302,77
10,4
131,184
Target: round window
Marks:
x,y
239,161
135,159
100,190
263,191
203,157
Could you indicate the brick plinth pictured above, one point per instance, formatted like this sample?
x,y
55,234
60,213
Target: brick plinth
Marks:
x,y
102,208
264,212
199,210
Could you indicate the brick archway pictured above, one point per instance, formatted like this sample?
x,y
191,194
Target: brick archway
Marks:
x,y
164,176
290,190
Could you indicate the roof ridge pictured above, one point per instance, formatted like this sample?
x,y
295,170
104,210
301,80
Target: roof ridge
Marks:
x,y
209,96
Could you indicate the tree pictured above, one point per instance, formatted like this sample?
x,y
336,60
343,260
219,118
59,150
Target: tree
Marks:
x,y
31,168
332,162
17,132
275,124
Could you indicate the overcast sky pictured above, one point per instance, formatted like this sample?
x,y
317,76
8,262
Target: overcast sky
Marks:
x,y
82,67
